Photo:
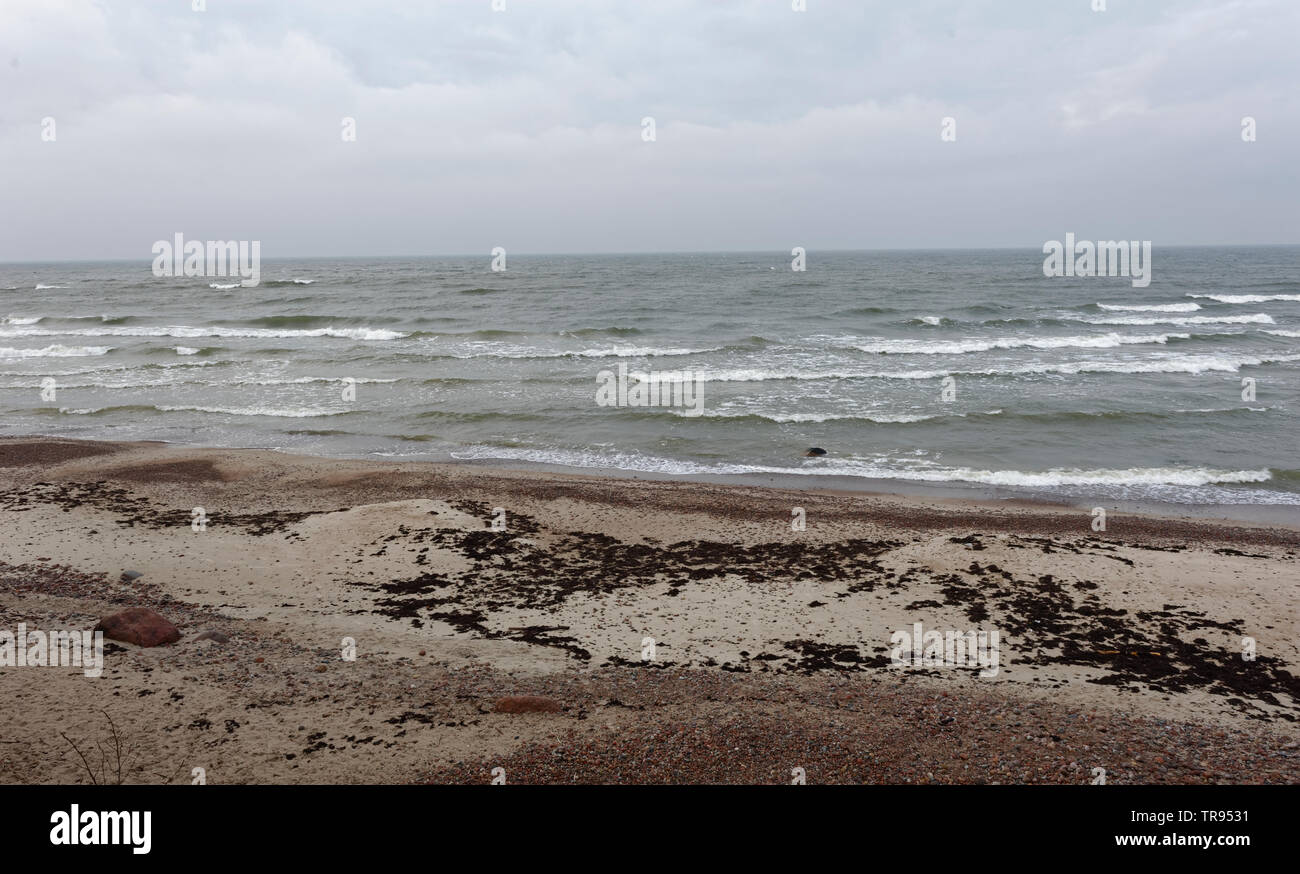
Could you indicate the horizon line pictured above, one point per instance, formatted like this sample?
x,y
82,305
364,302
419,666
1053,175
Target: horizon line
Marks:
x,y
574,254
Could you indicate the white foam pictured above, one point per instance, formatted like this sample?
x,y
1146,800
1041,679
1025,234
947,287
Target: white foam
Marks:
x,y
55,351
187,331
1099,341
878,469
1170,364
255,411
1247,298
488,349
1127,477
20,320
40,287
303,380
225,286
800,418
1256,319
186,350
1153,308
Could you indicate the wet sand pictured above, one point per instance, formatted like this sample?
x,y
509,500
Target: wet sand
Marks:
x,y
1120,649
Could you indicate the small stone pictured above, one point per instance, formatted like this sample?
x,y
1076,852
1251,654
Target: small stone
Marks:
x,y
214,636
320,669
128,576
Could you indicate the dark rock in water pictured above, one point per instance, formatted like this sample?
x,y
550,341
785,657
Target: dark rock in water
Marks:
x,y
128,576
214,636
140,626
815,451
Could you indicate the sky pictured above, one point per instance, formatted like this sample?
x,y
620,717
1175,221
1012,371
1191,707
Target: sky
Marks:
x,y
523,127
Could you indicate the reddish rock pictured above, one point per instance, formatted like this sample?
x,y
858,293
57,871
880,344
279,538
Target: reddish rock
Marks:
x,y
140,626
527,704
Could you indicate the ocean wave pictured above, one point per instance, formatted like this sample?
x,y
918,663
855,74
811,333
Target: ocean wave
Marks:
x,y
1197,476
1247,298
256,411
528,352
223,286
309,320
20,320
1283,333
305,380
40,287
627,352
1152,308
936,347
1044,416
1174,364
187,331
1256,319
55,351
482,334
235,411
616,330
879,469
818,418
99,411
122,368
865,311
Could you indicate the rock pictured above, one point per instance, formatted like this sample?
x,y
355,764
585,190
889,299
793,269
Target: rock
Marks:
x,y
128,576
140,626
214,636
815,451
527,704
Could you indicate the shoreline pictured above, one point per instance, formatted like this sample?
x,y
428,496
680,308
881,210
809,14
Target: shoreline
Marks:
x,y
1119,649
971,495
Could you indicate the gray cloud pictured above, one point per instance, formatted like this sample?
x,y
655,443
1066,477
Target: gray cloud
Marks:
x,y
522,128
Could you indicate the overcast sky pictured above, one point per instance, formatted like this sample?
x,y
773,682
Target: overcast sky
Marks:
x,y
522,128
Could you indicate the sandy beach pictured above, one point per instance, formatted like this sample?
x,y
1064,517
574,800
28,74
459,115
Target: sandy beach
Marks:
x,y
673,632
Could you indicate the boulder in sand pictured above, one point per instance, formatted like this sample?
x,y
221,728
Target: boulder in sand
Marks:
x,y
527,704
140,626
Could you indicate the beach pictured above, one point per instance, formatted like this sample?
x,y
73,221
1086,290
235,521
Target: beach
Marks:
x,y
380,621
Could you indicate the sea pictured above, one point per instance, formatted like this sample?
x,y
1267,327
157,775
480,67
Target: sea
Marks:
x,y
944,371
